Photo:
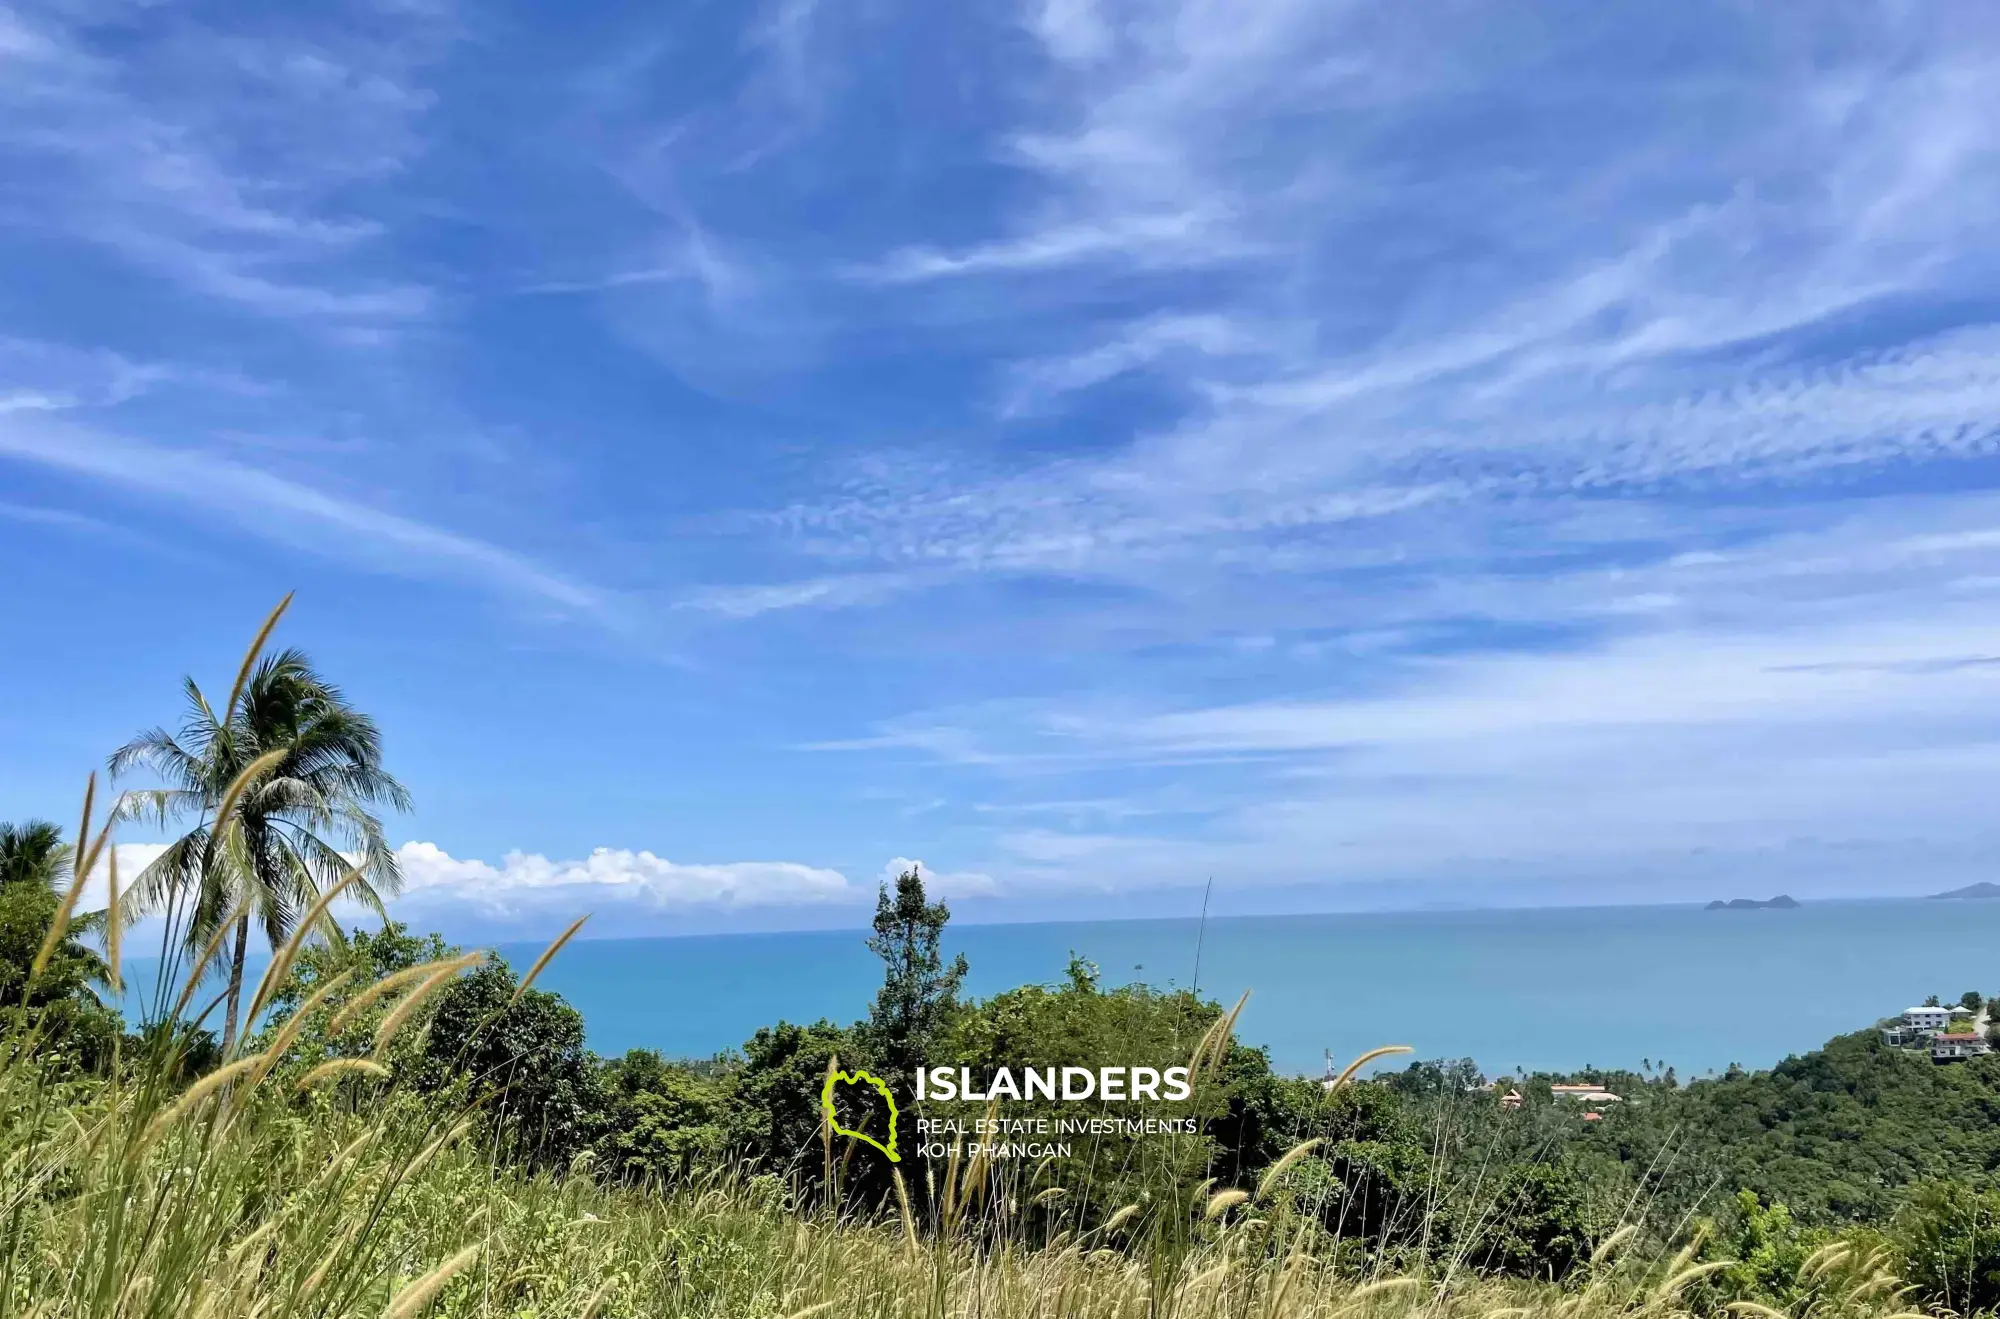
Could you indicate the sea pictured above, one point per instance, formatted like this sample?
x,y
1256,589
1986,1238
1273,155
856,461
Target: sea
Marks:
x,y
1540,989
1556,989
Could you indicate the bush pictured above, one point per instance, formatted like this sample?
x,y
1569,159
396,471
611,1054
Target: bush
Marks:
x,y
1948,1235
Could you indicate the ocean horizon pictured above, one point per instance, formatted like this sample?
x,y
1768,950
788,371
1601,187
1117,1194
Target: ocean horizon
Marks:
x,y
1548,988
1553,988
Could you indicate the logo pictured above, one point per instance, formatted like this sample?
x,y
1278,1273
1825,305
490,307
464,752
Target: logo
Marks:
x,y
860,1078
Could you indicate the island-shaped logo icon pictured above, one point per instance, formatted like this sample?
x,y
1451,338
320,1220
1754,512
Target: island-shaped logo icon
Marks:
x,y
858,1077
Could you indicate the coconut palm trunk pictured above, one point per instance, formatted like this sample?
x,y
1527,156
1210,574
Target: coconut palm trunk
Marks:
x,y
235,981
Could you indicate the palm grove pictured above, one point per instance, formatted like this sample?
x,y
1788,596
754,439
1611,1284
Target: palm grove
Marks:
x,y
273,800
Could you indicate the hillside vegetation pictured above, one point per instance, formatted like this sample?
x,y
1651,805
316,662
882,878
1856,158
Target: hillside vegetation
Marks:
x,y
1838,1134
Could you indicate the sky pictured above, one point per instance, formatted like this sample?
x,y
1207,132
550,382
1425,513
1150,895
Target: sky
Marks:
x,y
1361,456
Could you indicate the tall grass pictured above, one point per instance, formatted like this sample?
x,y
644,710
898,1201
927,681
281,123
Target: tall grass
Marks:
x,y
352,1201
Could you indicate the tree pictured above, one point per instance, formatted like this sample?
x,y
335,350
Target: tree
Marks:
x,y
364,958
33,853
34,873
776,1116
1445,1078
919,992
1971,1001
1539,1226
306,768
661,1118
521,1055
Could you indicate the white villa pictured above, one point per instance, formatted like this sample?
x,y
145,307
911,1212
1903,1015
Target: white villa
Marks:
x,y
1587,1094
1919,1020
1929,1028
1918,1024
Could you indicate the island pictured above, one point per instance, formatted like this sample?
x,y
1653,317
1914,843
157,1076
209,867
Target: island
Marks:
x,y
1985,888
1782,902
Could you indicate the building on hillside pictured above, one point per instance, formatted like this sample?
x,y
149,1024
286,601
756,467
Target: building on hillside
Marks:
x,y
1585,1094
1920,1020
1949,1046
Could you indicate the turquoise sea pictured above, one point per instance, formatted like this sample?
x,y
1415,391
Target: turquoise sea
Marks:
x,y
1542,988
1550,988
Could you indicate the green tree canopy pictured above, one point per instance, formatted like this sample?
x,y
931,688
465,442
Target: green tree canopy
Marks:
x,y
520,1054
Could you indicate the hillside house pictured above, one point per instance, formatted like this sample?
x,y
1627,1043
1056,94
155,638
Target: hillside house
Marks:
x,y
1585,1094
1950,1046
1922,1020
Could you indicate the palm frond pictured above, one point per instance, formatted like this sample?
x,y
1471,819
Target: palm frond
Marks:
x,y
161,752
157,806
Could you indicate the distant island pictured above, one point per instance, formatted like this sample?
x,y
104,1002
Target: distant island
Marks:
x,y
1782,902
1985,888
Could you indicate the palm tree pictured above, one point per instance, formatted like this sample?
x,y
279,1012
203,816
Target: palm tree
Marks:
x,y
34,872
306,771
32,853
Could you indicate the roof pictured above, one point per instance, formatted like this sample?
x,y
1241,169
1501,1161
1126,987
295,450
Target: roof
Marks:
x,y
1911,1012
1956,1037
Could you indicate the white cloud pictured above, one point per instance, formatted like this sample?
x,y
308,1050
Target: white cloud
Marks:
x,y
831,592
528,889
611,875
1038,382
132,858
1183,238
940,883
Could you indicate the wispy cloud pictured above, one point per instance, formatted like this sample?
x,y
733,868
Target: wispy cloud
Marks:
x,y
1181,239
283,510
1655,752
145,147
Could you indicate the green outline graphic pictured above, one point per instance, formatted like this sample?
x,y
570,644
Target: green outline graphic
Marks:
x,y
856,1078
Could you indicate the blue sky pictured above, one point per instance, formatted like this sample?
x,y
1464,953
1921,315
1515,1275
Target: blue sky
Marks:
x,y
1370,456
